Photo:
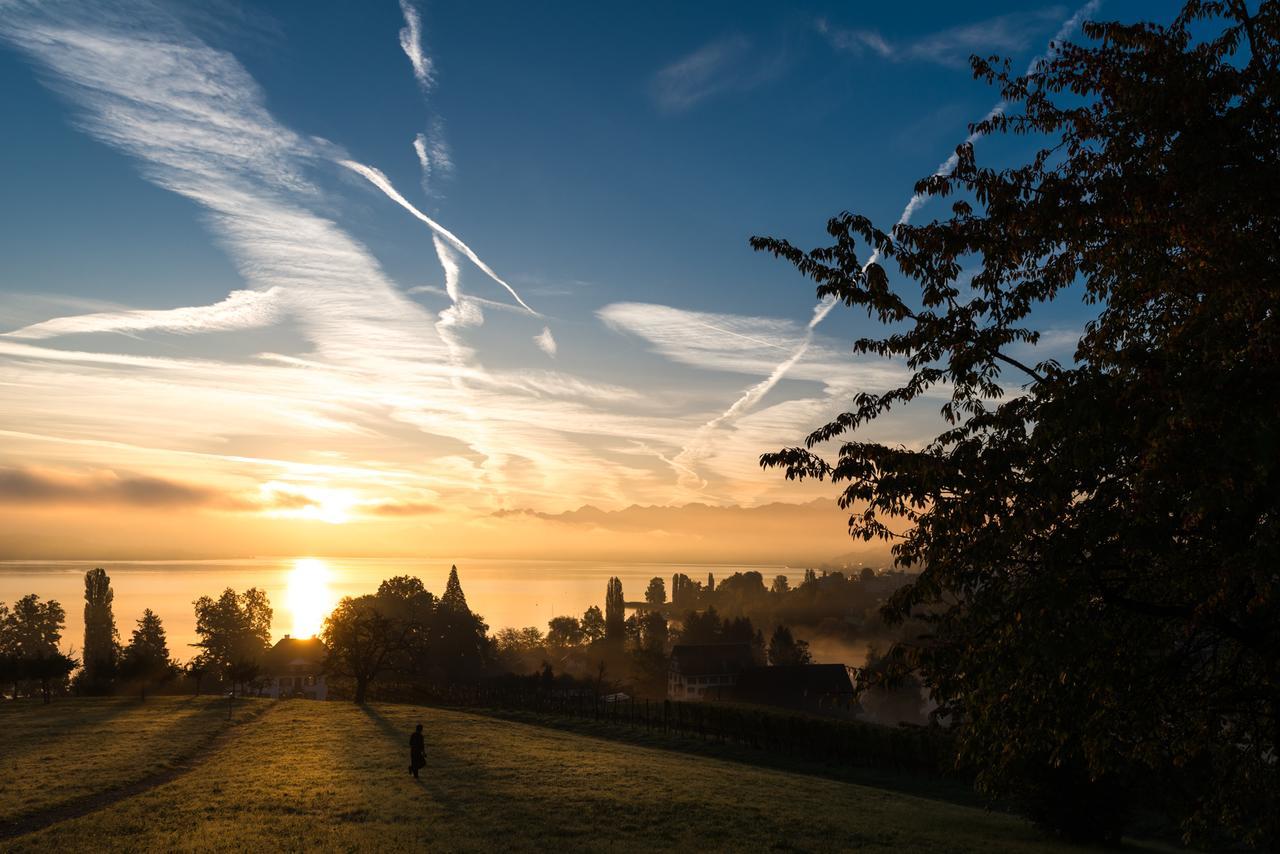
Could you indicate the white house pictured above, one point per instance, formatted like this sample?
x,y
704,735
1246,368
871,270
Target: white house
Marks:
x,y
294,668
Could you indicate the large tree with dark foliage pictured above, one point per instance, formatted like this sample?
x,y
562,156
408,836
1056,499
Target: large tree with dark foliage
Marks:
x,y
1098,538
234,630
145,661
101,650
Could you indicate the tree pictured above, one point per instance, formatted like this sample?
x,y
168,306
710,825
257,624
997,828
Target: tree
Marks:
x,y
700,627
593,624
234,631
684,592
101,640
196,669
564,632
780,585
412,609
48,669
1097,538
146,660
785,649
615,610
651,632
453,596
360,638
457,635
656,593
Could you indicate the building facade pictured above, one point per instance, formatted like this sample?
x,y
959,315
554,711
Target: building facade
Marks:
x,y
294,667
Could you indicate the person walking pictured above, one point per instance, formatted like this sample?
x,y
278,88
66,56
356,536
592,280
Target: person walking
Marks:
x,y
417,752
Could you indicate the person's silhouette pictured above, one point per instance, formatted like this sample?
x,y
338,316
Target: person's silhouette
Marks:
x,y
417,752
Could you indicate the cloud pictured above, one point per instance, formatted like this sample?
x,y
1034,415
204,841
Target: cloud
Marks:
x,y
379,397
727,64
28,487
546,341
240,310
952,47
406,508
411,44
379,180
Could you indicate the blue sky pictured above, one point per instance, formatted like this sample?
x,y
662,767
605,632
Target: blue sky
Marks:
x,y
201,286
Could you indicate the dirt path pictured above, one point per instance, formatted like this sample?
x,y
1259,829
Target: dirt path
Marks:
x,y
91,803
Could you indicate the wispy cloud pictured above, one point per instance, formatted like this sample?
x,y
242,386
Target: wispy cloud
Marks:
x,y
377,179
411,44
31,487
434,159
1009,33
546,341
728,64
240,310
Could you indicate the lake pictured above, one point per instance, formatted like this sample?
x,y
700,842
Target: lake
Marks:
x,y
303,590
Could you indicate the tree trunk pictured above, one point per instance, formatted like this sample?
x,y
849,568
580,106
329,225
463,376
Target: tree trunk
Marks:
x,y
362,685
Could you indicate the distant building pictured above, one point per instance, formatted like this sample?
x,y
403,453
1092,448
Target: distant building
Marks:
x,y
706,671
294,668
812,686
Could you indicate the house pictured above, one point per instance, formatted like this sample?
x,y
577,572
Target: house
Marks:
x,y
706,671
294,668
825,686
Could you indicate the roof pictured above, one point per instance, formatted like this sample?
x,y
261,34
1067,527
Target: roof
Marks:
x,y
794,680
709,658
288,650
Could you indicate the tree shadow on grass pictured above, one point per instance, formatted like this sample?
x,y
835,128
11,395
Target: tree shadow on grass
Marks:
x,y
431,783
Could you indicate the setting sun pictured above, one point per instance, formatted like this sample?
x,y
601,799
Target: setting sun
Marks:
x,y
308,597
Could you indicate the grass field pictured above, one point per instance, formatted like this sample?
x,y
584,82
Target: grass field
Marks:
x,y
301,775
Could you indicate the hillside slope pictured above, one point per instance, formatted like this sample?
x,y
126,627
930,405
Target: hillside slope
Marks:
x,y
333,776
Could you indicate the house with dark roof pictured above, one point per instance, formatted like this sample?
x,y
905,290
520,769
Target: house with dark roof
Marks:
x,y
829,686
294,667
706,671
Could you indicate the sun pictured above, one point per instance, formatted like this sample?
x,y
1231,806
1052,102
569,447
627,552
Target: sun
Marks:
x,y
308,597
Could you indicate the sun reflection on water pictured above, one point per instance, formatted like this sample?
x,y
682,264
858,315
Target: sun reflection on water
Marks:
x,y
308,596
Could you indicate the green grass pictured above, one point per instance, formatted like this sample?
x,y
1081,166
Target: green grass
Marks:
x,y
333,776
51,755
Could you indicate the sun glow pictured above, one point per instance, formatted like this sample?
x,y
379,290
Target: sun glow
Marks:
x,y
308,597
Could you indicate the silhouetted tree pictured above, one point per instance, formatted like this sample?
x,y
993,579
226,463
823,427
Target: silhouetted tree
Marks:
x,y
564,631
656,592
593,624
785,649
360,638
101,640
146,660
411,608
458,635
47,669
1097,539
615,608
196,669
453,596
684,592
780,585
234,631
701,627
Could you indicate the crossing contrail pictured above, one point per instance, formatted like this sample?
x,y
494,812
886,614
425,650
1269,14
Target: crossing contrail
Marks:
x,y
377,179
755,393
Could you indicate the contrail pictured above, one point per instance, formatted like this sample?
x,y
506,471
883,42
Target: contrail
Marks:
x,y
755,393
377,179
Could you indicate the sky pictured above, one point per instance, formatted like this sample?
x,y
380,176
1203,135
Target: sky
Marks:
x,y
424,277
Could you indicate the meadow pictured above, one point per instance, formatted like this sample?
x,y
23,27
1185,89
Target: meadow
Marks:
x,y
175,774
